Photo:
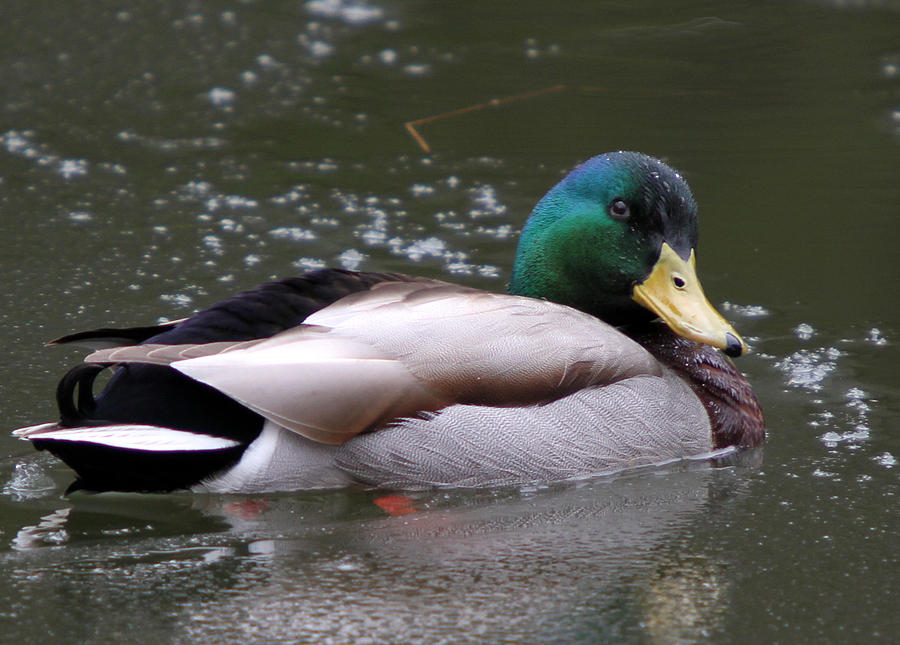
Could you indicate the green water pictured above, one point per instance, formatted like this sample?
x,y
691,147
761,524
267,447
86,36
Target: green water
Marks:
x,y
157,156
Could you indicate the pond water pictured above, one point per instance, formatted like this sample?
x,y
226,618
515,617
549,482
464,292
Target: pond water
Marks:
x,y
157,156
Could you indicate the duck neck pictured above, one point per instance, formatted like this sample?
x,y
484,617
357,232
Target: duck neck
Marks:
x,y
559,262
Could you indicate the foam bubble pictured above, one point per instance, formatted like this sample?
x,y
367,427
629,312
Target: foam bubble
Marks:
x,y
293,233
486,202
804,331
354,13
351,259
71,168
309,264
886,459
28,481
220,96
417,69
177,299
808,368
748,311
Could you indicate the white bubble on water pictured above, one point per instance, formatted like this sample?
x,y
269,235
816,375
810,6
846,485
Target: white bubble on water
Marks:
x,y
387,56
80,216
502,232
28,481
804,331
214,244
372,237
460,268
855,418
808,368
220,96
886,459
267,61
231,226
19,143
354,13
748,311
177,299
309,264
71,168
351,259
239,201
417,69
429,247
318,48
486,202
293,233
197,189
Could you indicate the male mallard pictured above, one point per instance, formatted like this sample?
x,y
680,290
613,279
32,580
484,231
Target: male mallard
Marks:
x,y
337,377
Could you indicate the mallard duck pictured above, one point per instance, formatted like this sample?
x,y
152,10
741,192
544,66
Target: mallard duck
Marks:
x,y
604,355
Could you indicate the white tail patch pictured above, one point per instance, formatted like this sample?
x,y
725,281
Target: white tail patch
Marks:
x,y
130,437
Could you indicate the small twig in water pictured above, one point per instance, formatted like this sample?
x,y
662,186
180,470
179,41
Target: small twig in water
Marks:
x,y
411,125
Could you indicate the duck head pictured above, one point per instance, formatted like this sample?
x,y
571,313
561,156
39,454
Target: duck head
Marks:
x,y
616,238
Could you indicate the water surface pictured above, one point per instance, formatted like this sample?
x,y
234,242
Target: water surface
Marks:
x,y
157,156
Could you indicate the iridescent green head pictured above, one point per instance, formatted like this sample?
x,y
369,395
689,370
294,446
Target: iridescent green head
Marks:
x,y
616,238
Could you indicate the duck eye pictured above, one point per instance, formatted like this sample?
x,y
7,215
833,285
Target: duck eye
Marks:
x,y
618,209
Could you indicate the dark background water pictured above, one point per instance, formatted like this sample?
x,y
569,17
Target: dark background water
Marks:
x,y
156,156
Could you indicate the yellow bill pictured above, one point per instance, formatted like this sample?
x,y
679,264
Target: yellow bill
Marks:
x,y
672,291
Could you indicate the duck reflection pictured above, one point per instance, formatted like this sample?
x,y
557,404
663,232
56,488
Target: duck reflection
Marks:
x,y
566,563
601,558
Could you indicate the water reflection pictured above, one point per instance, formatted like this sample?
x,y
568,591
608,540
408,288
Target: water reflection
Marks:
x,y
684,598
566,562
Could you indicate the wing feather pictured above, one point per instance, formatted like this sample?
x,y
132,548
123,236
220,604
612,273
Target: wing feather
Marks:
x,y
403,349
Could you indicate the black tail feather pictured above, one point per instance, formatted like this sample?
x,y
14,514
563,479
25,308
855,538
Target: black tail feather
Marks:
x,y
160,396
75,395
